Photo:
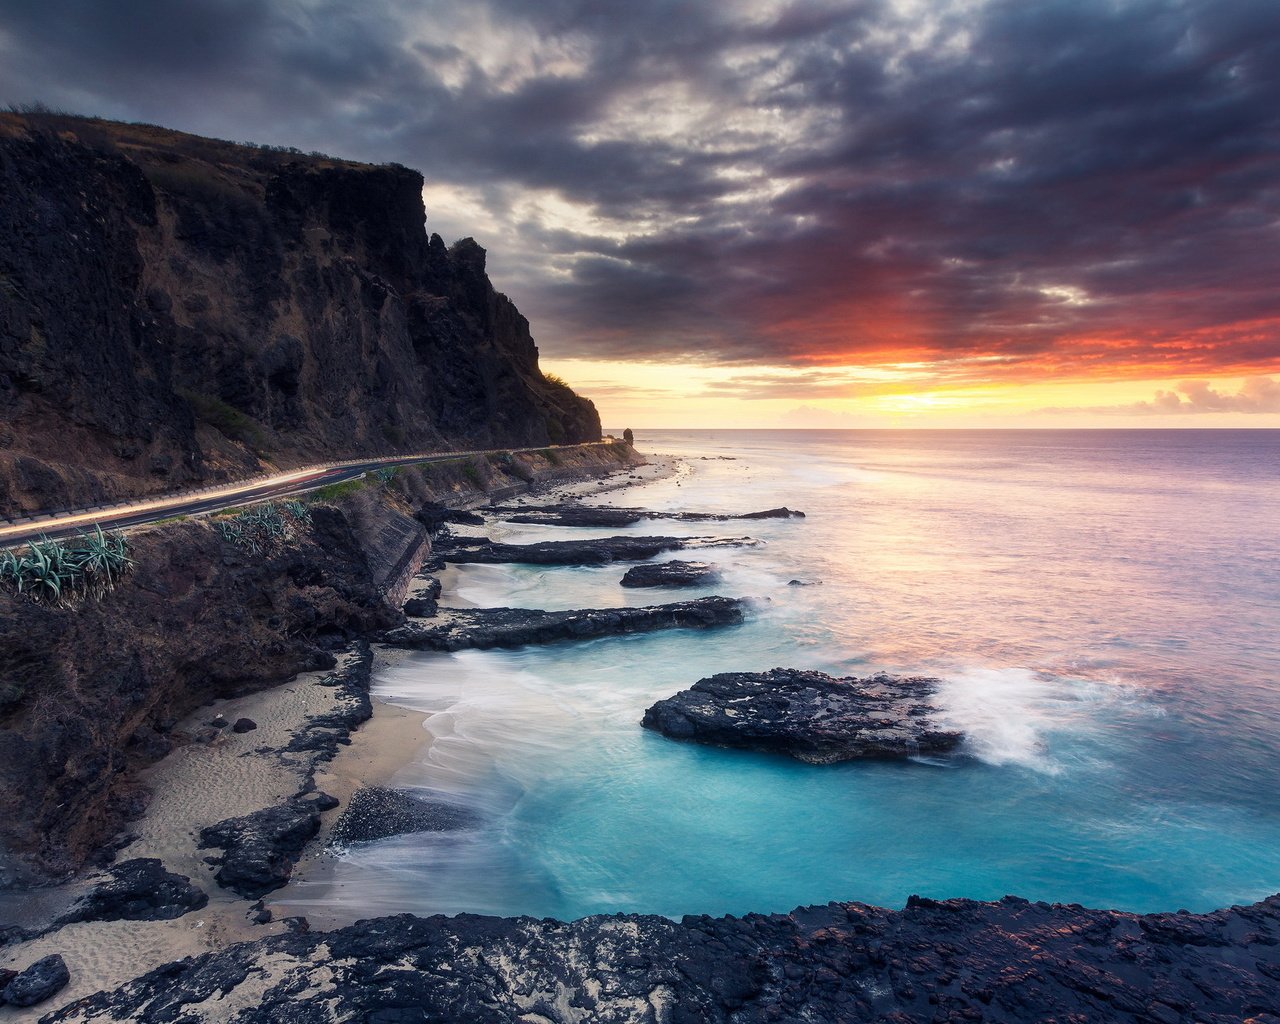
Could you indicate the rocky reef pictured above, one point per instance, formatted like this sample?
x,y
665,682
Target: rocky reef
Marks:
x,y
462,628
810,716
670,574
217,308
574,552
576,514
956,960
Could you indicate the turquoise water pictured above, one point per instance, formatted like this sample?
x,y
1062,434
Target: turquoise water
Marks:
x,y
1102,606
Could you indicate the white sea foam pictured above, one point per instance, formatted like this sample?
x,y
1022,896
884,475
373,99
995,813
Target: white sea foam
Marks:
x,y
1013,716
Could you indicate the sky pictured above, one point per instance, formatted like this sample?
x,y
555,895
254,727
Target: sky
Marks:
x,y
769,213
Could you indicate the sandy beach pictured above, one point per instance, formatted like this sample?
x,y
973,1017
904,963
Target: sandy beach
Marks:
x,y
198,784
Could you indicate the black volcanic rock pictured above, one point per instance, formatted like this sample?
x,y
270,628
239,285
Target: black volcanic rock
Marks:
x,y
260,849
138,890
571,514
514,627
670,574
434,515
1008,962
42,980
577,515
576,552
376,812
422,607
811,716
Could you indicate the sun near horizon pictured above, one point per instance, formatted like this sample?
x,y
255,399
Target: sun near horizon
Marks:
x,y
700,396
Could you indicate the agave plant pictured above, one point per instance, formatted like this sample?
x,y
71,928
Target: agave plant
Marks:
x,y
50,570
298,510
101,558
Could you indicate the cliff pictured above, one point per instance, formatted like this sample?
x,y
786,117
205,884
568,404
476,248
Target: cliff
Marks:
x,y
177,310
92,691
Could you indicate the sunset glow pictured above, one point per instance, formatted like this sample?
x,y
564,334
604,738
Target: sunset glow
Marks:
x,y
970,211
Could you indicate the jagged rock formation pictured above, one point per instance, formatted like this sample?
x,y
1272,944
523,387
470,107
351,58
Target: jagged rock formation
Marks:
x,y
482,628
811,716
1008,962
175,310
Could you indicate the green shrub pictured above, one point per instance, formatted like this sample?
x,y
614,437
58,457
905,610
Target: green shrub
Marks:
x,y
227,419
255,527
333,492
54,572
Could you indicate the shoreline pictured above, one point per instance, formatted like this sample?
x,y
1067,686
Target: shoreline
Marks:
x,y
198,784
835,954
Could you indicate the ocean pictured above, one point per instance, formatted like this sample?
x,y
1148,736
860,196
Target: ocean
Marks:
x,y
1103,607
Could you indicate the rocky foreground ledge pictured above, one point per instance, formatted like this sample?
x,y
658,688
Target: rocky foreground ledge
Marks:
x,y
811,716
958,960
457,629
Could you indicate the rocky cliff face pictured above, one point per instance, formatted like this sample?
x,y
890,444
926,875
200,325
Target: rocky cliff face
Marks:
x,y
177,310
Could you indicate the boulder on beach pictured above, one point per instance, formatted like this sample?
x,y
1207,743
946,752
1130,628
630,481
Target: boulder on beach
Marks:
x,y
138,890
810,716
260,849
42,980
421,607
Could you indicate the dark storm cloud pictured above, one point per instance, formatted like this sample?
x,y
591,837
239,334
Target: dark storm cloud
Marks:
x,y
1061,187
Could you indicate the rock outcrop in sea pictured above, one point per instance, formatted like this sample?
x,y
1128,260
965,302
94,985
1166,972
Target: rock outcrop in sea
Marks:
x,y
462,628
675,573
575,514
376,812
601,551
810,716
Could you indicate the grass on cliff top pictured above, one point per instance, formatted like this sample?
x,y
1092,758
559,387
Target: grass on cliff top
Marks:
x,y
152,146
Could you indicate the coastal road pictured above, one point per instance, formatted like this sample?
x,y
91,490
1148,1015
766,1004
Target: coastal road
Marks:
x,y
149,510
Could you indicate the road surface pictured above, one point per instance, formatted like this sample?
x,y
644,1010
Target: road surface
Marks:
x,y
149,510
